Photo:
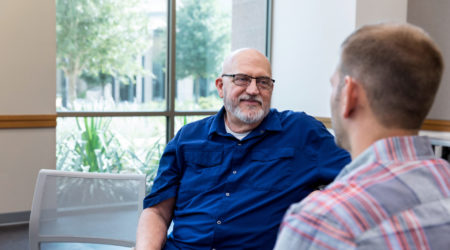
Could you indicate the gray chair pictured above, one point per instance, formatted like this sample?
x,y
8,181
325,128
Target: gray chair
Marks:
x,y
74,210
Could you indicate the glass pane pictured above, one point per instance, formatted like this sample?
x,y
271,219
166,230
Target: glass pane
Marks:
x,y
111,55
206,32
180,121
111,144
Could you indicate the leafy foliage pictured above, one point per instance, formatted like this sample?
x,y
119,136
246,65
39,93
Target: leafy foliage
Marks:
x,y
202,39
93,147
100,36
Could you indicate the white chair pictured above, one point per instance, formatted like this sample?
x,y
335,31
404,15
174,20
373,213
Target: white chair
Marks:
x,y
93,209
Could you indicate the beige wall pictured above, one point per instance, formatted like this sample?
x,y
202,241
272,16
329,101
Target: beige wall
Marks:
x,y
27,86
23,153
434,17
305,47
307,35
369,11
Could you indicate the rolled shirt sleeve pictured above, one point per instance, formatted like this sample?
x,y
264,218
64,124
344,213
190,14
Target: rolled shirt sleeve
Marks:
x,y
167,179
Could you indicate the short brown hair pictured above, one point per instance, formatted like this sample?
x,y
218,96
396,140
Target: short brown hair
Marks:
x,y
400,68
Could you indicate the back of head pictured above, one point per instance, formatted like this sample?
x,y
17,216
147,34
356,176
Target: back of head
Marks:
x,y
399,67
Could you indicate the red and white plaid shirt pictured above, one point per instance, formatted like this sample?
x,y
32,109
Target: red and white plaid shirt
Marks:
x,y
396,195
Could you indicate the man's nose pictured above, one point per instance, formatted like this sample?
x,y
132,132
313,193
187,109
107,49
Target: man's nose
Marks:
x,y
252,88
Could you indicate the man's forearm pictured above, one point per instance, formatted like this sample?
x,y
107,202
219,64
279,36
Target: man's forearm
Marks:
x,y
152,230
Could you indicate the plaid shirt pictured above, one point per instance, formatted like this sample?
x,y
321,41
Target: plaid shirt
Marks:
x,y
396,195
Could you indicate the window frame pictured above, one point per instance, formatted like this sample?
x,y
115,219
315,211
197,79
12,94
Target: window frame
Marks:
x,y
170,113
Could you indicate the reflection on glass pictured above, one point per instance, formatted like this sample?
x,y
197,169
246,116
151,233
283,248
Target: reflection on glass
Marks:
x,y
180,121
111,55
111,144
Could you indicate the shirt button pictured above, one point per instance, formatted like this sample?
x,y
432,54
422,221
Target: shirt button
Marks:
x,y
234,171
261,131
227,194
239,144
219,222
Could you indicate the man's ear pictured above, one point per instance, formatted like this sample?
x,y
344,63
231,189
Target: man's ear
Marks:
x,y
219,86
350,96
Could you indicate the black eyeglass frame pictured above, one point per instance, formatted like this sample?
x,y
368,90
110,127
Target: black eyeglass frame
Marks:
x,y
272,81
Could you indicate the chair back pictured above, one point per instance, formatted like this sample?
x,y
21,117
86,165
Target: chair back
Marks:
x,y
86,208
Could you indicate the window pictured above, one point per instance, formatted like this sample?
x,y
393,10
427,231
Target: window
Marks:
x,y
132,72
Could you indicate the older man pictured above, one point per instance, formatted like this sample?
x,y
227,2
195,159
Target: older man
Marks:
x,y
395,194
227,180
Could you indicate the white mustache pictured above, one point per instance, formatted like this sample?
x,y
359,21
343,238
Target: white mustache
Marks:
x,y
250,98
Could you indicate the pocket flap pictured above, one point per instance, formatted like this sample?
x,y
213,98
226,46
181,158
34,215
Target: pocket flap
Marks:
x,y
272,154
204,158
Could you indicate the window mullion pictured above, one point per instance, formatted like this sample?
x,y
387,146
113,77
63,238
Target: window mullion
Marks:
x,y
269,30
171,77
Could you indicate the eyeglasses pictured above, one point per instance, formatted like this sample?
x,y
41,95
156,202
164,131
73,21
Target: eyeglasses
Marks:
x,y
243,80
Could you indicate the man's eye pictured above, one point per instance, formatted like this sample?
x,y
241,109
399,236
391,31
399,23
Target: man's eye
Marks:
x,y
263,81
242,78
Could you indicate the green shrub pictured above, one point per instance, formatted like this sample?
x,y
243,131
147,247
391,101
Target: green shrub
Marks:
x,y
93,147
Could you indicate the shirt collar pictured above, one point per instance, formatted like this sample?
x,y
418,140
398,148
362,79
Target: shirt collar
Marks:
x,y
402,148
271,122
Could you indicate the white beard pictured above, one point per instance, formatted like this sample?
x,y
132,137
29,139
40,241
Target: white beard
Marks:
x,y
249,118
253,116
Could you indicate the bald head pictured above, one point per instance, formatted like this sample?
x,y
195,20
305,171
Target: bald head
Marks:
x,y
245,57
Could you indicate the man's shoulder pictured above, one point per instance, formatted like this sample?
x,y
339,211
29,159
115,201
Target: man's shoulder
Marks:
x,y
206,121
317,222
196,130
195,126
296,117
300,129
324,202
288,114
332,208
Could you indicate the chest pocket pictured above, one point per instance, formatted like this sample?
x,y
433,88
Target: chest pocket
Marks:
x,y
203,159
271,168
201,169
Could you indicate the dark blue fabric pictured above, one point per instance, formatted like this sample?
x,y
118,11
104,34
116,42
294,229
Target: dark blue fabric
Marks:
x,y
246,185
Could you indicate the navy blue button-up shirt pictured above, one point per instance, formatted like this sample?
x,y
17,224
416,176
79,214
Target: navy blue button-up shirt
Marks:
x,y
232,194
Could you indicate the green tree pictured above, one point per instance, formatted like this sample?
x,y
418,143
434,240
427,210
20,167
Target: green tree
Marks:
x,y
100,37
202,32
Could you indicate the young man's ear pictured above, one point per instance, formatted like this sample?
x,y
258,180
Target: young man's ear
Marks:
x,y
219,86
349,96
